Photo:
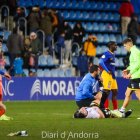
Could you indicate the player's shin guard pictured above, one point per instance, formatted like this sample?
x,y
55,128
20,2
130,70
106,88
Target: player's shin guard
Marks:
x,y
2,111
115,104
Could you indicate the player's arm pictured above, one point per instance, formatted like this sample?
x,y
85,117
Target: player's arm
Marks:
x,y
102,61
5,74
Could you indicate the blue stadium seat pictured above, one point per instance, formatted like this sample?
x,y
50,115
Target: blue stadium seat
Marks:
x,y
42,60
104,16
118,51
121,62
35,2
97,16
66,14
28,3
47,73
119,38
112,37
89,26
102,27
26,72
61,73
100,38
138,40
4,48
21,3
116,62
99,6
96,61
40,73
68,72
50,61
74,60
99,50
85,15
123,51
6,34
95,26
7,60
54,73
106,38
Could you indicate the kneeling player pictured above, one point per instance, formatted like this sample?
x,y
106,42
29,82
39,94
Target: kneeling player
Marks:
x,y
95,112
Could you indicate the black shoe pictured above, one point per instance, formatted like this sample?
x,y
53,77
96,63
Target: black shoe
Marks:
x,y
128,113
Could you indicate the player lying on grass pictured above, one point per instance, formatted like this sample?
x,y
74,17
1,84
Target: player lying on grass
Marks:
x,y
95,112
2,106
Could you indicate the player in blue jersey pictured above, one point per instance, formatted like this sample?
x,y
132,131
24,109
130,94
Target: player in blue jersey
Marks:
x,y
107,63
88,89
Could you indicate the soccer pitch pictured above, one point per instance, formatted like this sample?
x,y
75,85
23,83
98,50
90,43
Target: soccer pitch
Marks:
x,y
52,120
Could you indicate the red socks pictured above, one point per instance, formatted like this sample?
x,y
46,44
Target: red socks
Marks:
x,y
114,102
106,103
2,111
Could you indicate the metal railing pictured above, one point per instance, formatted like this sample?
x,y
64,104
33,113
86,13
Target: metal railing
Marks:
x,y
43,38
7,8
25,24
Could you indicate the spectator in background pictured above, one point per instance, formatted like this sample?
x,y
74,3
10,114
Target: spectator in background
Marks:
x,y
46,26
17,66
133,31
34,19
68,41
82,63
78,33
35,49
126,10
14,45
133,28
90,45
20,13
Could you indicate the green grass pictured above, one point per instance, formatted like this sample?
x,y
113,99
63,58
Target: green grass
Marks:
x,y
56,117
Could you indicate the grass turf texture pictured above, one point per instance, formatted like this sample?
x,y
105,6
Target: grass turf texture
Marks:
x,y
56,117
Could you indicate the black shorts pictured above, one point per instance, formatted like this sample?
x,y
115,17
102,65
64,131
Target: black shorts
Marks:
x,y
134,84
84,102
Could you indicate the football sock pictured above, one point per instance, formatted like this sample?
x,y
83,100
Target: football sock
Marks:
x,y
106,104
115,104
2,111
103,99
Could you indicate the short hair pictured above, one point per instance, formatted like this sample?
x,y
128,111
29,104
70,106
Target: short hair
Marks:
x,y
111,43
93,68
127,40
78,114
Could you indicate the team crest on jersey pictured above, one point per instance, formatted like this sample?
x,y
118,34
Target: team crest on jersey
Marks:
x,y
103,56
109,84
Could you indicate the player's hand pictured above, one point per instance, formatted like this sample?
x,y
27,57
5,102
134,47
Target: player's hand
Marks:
x,y
7,76
128,76
109,72
124,73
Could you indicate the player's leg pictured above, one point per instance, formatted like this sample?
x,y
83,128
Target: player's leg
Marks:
x,y
137,92
114,98
106,88
127,99
2,108
114,90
